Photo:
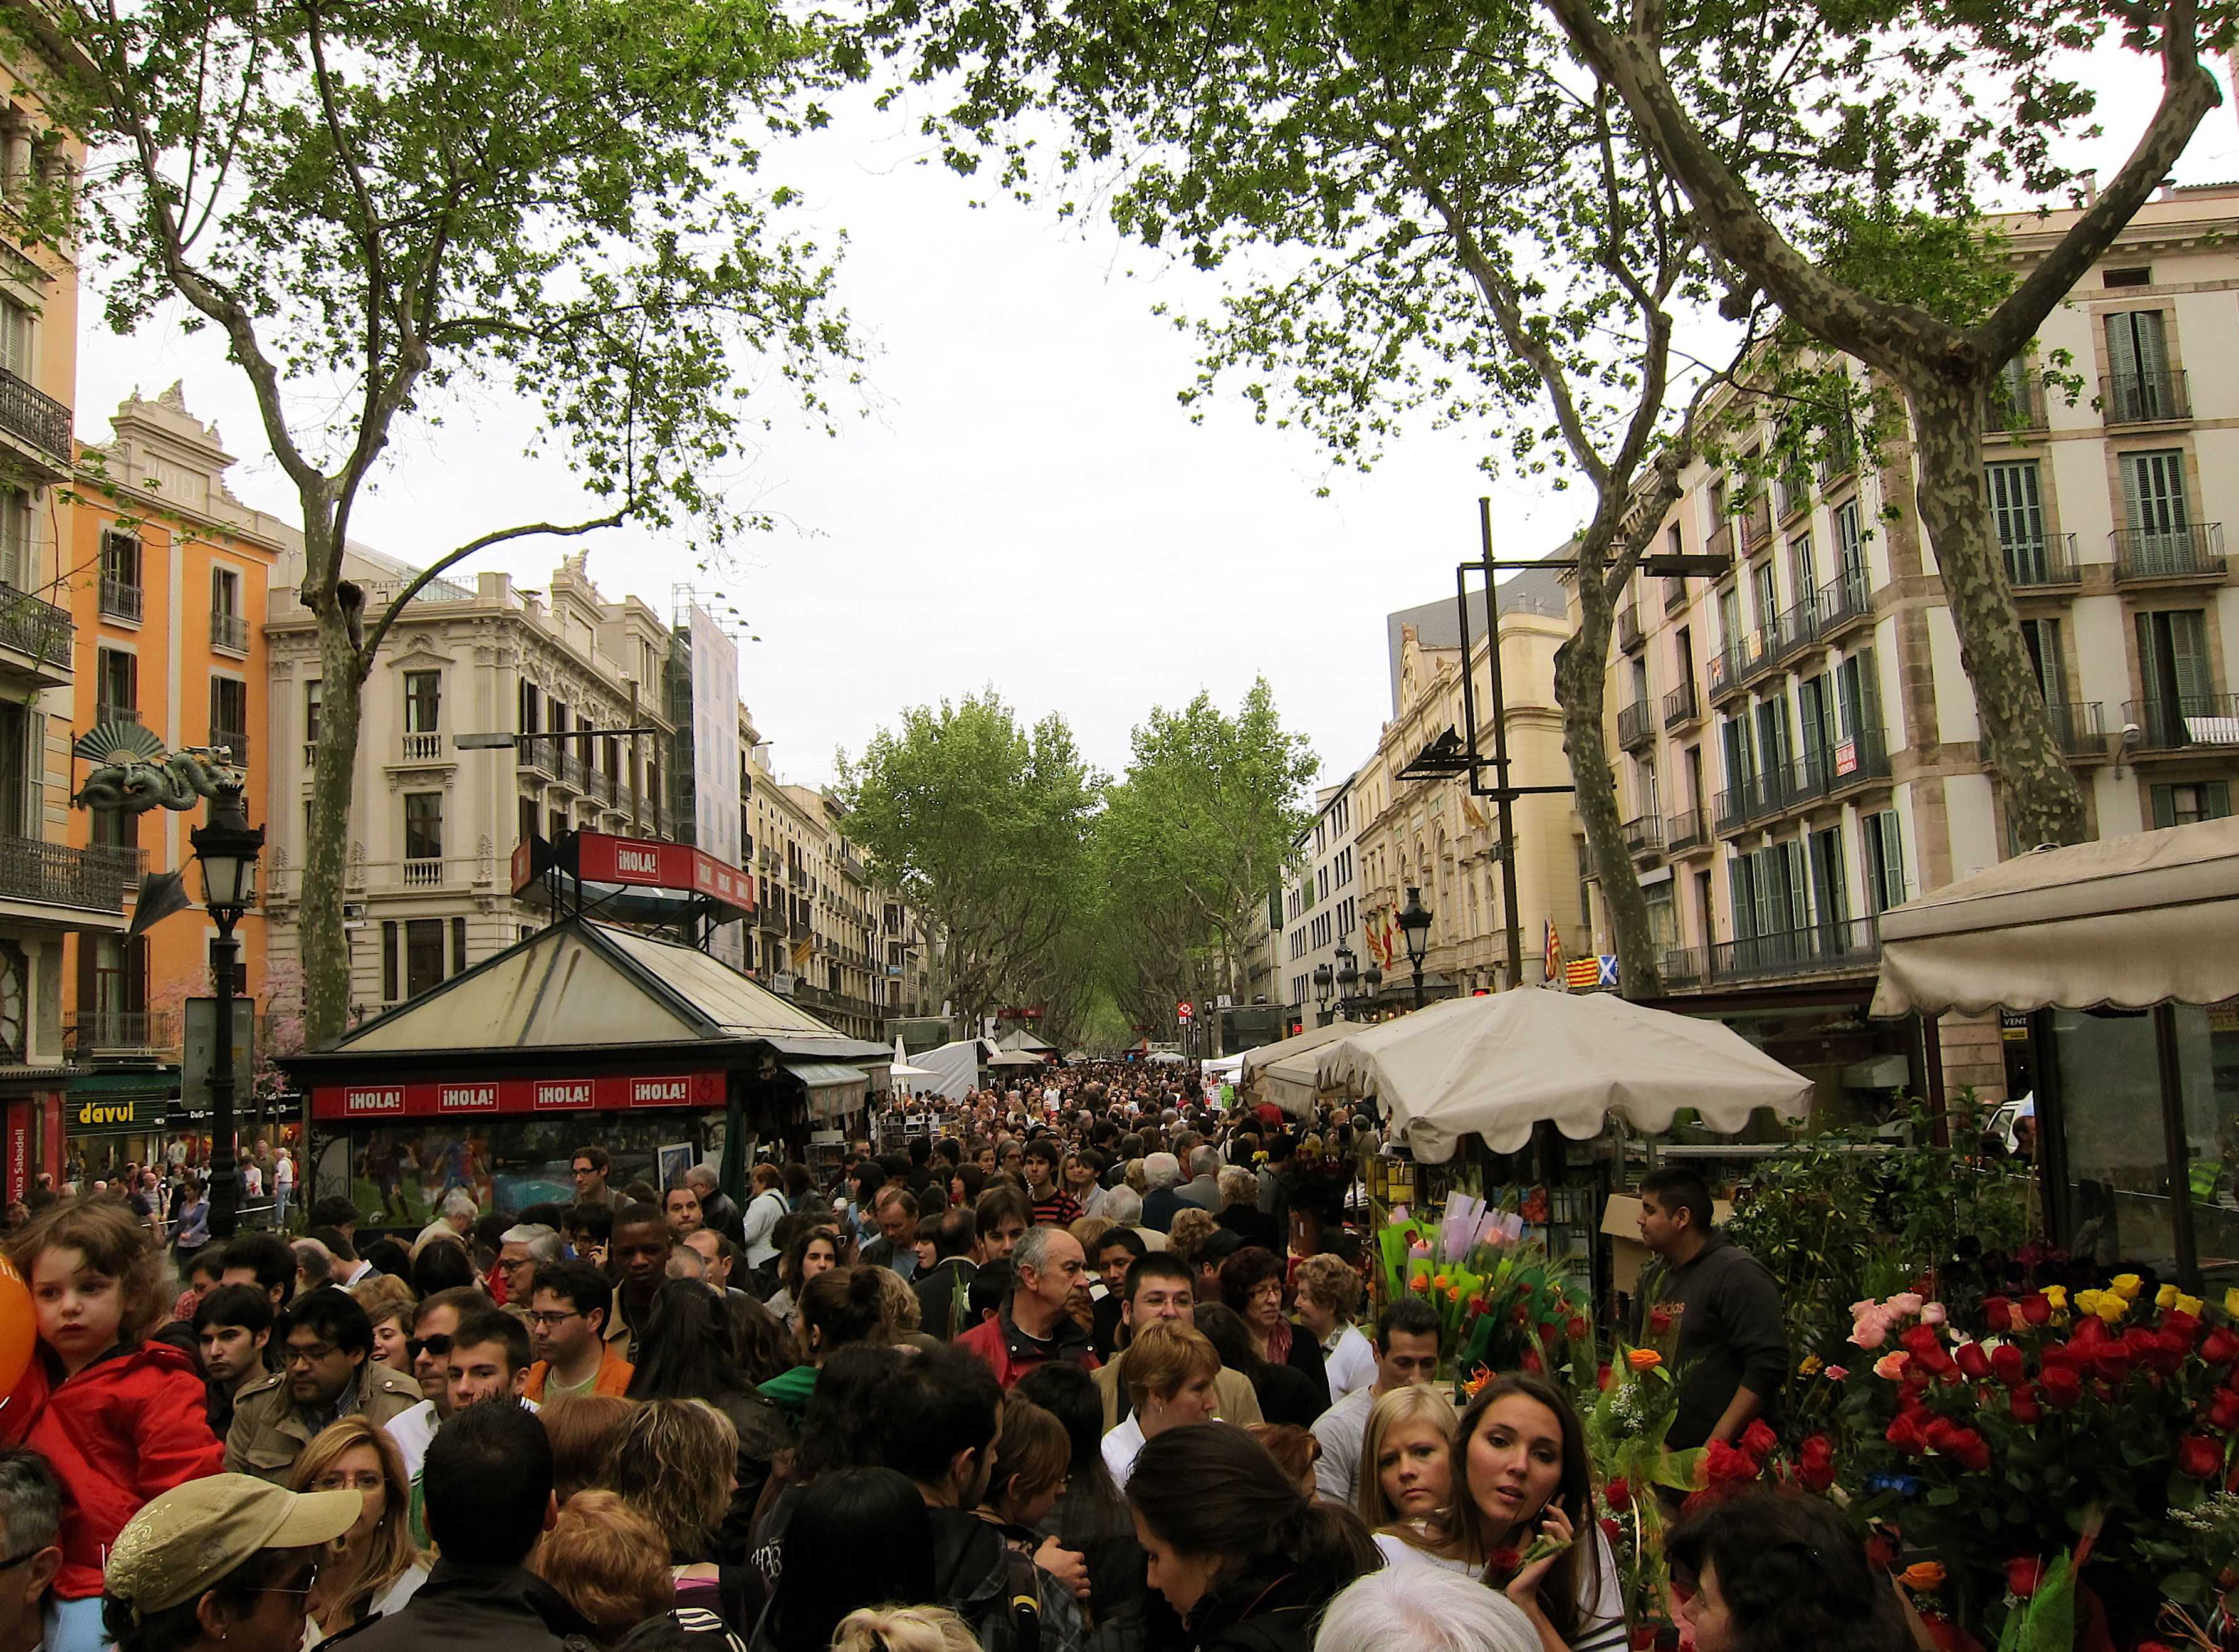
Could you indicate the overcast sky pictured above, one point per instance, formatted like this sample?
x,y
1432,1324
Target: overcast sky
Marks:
x,y
1027,503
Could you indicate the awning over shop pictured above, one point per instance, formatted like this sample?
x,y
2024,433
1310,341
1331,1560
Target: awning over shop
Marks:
x,y
1284,1072
834,1091
2144,918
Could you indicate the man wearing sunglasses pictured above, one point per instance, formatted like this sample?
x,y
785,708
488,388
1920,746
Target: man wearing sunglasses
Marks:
x,y
429,1345
569,1306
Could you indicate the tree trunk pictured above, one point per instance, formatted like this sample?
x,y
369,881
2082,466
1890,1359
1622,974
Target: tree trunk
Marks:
x,y
334,779
1581,665
2042,802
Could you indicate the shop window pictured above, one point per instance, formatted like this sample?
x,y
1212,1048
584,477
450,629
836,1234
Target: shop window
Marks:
x,y
423,955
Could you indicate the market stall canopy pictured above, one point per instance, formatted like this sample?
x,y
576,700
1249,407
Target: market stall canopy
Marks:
x,y
1495,1066
585,985
1284,1072
901,1068
1015,1058
1020,1038
955,1067
1223,1069
2146,917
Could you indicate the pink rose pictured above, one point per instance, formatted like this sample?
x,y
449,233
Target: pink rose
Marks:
x,y
1889,1367
1932,1313
1868,1334
1837,1373
1906,1303
1860,1310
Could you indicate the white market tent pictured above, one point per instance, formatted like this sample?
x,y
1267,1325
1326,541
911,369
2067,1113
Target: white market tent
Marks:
x,y
1284,1072
955,1067
1498,1065
1222,1069
1015,1058
2132,921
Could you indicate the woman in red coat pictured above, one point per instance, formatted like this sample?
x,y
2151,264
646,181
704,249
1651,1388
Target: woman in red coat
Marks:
x,y
120,1417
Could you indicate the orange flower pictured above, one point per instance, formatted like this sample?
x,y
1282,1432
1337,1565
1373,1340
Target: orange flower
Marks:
x,y
1644,1359
1453,1293
1420,1282
1924,1577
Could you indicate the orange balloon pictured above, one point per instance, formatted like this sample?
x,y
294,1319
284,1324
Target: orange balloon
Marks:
x,y
19,1327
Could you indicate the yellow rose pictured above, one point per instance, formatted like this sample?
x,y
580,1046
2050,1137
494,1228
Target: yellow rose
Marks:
x,y
2111,1307
2126,1284
2087,1302
2165,1298
2057,1295
2189,1305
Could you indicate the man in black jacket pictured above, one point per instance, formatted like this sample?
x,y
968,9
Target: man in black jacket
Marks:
x,y
942,1286
1732,1351
488,1487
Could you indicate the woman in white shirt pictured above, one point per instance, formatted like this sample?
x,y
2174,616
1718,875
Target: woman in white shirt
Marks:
x,y
1328,1297
377,1568
1167,1373
1519,1470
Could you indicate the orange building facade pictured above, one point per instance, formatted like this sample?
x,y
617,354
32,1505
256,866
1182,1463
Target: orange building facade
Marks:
x,y
168,579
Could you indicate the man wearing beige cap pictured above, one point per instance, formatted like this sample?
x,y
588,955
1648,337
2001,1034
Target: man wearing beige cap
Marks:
x,y
229,1558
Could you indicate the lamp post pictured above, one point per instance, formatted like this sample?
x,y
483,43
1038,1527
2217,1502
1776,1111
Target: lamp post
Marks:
x,y
1415,928
1348,978
227,849
1372,981
1324,984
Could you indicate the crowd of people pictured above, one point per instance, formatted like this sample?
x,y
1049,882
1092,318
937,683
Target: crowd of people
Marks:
x,y
1062,1376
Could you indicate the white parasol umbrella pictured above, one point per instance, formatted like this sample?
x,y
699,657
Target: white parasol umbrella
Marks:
x,y
901,1068
1495,1066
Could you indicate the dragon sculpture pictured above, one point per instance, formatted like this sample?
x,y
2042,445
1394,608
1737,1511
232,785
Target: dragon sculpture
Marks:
x,y
133,772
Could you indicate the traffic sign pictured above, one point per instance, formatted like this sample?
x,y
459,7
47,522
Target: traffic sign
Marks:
x,y
1184,1011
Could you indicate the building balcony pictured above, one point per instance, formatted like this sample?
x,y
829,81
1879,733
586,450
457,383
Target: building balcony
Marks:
x,y
54,874
536,755
2145,398
1756,521
35,635
31,415
799,929
228,632
421,748
2187,721
120,599
1839,457
1644,836
2012,410
423,872
1628,626
2044,563
1674,594
2080,726
1843,602
1739,663
1686,831
1838,944
2194,551
1681,705
1721,542
1683,967
1796,630
126,1036
1636,725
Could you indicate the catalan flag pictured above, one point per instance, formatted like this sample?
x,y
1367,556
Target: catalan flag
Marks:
x,y
1583,973
1554,952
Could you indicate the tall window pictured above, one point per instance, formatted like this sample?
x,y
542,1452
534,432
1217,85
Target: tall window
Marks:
x,y
2137,357
314,697
532,707
423,955
423,702
1802,568
15,538
229,630
1850,541
2177,806
119,574
423,826
2154,507
16,775
2173,661
228,716
2017,509
16,339
116,686
2049,654
1884,856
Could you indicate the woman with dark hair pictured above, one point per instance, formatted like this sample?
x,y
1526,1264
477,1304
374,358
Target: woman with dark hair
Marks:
x,y
1774,1569
442,1264
1247,1559
840,1430
813,1248
1252,1285
765,1346
841,1306
687,1353
1284,1395
858,1537
1091,1515
1519,1471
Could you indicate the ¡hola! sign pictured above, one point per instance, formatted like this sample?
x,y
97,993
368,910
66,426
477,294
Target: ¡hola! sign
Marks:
x,y
606,1093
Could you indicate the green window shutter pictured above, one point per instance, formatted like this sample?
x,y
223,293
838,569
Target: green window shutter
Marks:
x,y
2215,801
2164,805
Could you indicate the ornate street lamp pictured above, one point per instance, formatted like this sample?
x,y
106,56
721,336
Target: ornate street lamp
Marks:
x,y
1324,984
1415,928
1372,979
227,850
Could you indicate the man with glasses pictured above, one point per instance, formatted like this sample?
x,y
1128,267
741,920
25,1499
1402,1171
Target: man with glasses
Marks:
x,y
30,1521
327,1372
523,1249
590,1168
569,1306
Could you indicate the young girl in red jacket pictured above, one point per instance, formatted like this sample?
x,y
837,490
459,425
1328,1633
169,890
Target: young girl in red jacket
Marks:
x,y
120,1417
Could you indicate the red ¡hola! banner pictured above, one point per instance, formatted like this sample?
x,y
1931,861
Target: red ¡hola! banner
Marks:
x,y
603,859
378,1103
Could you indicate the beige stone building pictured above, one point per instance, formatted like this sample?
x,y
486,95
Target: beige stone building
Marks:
x,y
1321,905
1431,834
1800,744
432,828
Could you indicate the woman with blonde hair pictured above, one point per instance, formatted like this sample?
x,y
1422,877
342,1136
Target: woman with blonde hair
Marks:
x,y
387,1301
1328,1297
903,1628
1407,1461
1168,1373
376,1568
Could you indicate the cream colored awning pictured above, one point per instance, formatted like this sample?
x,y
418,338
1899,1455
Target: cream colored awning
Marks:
x,y
2148,918
1284,1072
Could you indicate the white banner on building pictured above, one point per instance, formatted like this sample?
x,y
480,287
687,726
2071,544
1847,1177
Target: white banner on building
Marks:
x,y
715,760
